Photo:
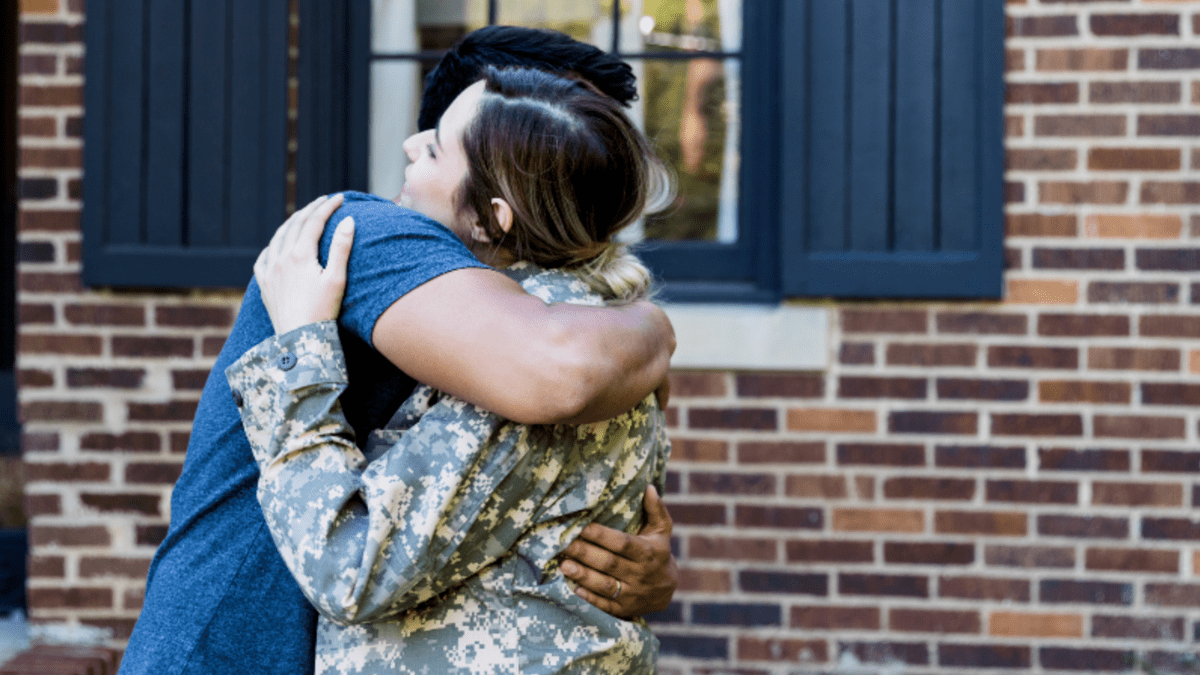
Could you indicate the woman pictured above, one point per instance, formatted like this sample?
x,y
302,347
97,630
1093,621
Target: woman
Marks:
x,y
441,542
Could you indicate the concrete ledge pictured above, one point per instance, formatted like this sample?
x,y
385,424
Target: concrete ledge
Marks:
x,y
750,337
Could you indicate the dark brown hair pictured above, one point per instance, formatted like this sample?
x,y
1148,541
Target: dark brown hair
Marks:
x,y
572,167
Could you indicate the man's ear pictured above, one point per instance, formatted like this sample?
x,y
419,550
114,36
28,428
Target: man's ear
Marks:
x,y
503,214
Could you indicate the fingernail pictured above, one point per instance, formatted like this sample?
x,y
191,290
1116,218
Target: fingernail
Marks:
x,y
569,569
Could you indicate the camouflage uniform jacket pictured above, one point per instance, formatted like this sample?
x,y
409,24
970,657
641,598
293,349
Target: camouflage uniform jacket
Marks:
x,y
436,550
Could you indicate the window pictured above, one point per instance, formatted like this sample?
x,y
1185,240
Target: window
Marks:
x,y
845,148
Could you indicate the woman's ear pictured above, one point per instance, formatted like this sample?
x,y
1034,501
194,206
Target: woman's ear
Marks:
x,y
503,214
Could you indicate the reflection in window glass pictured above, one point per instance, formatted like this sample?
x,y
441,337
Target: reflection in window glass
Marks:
x,y
441,23
585,20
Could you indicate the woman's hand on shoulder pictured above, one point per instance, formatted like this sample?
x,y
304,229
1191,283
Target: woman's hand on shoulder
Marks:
x,y
295,288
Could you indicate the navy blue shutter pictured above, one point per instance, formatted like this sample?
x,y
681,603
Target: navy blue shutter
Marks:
x,y
891,181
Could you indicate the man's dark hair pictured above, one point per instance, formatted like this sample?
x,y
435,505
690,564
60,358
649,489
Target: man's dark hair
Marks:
x,y
502,46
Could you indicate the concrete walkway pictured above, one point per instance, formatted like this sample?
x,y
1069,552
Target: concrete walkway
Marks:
x,y
14,635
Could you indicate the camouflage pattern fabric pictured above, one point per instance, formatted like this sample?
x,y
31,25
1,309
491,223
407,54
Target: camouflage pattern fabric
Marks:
x,y
437,549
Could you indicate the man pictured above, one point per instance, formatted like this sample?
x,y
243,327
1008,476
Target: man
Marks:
x,y
218,597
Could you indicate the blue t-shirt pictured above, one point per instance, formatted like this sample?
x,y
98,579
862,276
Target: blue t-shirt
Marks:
x,y
218,597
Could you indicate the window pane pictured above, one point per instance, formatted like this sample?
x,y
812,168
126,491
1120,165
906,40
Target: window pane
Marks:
x,y
690,111
690,25
395,97
440,23
585,20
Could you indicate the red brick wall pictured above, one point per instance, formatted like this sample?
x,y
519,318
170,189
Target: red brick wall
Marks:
x,y
970,487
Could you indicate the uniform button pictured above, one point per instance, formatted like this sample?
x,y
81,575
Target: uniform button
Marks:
x,y
237,398
287,361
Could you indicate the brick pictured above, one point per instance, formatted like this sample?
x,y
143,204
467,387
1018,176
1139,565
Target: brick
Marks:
x,y
1138,627
1168,59
1078,126
1169,326
732,548
752,581
38,64
47,221
88,535
1014,126
881,454
35,313
1039,160
49,282
989,523
171,411
1170,192
1175,529
704,580
878,520
72,597
831,420
1068,459
61,411
1139,226
1013,258
1028,624
1041,92
865,487
35,252
122,503
815,487
1083,391
780,649
1014,60
1135,24
153,347
914,487
131,568
1170,393
731,483
762,419
1110,358
933,422
1134,92
1079,258
1029,556
1120,493
697,384
881,387
979,457
829,551
931,354
50,95
1133,292
691,450
889,653
39,442
179,441
1042,225
1134,426
1041,292
988,390
884,321
736,614
37,188
105,315
941,553
825,617
114,378
892,585
1173,595
983,656
1134,159
698,514
193,316
1041,26
982,323
41,505
46,567
1168,260
1132,560
780,385
1089,660
781,452
50,158
1170,461
984,588
1036,425
856,353
130,441
1168,125
1033,491
150,535
30,378
1082,59
933,621
788,517
693,646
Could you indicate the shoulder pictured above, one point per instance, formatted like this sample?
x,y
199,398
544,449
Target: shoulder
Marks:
x,y
552,285
374,215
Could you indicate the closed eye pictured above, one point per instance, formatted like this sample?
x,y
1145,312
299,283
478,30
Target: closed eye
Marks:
x,y
431,151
